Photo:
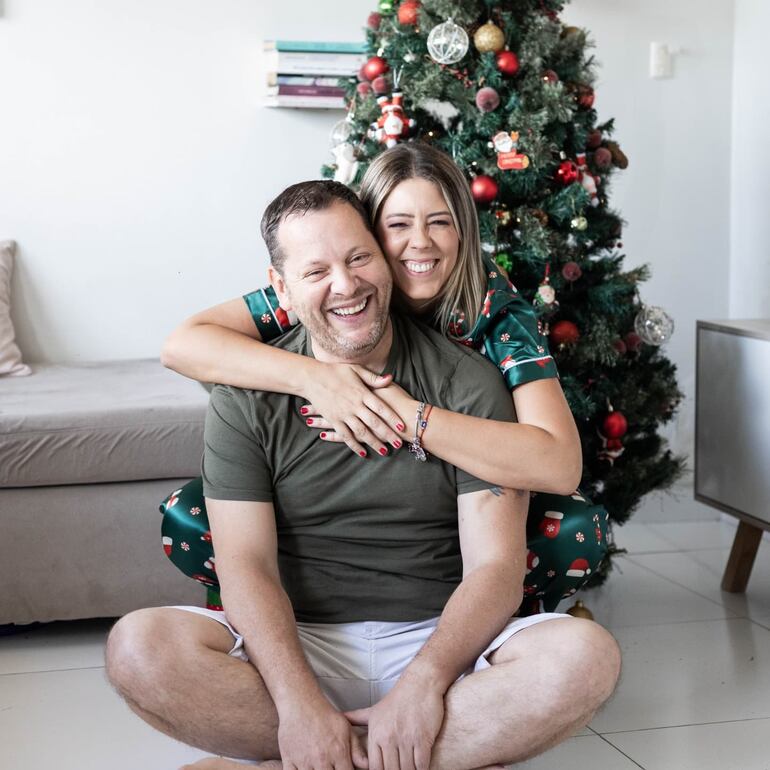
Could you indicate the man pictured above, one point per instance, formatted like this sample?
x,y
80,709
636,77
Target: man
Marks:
x,y
368,605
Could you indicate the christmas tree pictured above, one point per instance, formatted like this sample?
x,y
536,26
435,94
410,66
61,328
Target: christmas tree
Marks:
x,y
505,88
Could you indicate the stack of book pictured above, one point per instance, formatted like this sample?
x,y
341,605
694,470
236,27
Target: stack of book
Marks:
x,y
306,74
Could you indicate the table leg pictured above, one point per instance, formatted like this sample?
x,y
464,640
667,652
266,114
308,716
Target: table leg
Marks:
x,y
741,559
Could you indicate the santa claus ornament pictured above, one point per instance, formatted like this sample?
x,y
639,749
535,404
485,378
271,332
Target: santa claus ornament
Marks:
x,y
546,295
588,180
506,145
393,125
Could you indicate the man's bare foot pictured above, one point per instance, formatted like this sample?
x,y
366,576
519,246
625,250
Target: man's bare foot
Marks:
x,y
220,763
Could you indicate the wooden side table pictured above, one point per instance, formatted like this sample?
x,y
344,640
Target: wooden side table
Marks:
x,y
732,433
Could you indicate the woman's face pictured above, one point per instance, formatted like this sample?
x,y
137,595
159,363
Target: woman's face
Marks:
x,y
419,239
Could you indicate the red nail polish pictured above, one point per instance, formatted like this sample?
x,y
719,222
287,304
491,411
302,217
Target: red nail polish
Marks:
x,y
397,444
309,422
383,451
362,454
304,410
323,435
400,426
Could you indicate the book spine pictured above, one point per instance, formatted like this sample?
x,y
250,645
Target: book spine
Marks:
x,y
296,63
274,79
326,102
311,90
317,46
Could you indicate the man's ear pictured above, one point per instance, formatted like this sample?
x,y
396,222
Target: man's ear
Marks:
x,y
279,284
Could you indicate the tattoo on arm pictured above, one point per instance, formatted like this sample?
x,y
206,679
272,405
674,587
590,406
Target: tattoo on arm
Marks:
x,y
500,492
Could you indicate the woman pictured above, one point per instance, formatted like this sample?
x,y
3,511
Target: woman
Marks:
x,y
425,220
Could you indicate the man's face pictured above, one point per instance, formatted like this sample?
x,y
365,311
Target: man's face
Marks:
x,y
336,280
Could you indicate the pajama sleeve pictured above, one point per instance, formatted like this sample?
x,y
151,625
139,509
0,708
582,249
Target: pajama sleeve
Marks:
x,y
269,317
509,333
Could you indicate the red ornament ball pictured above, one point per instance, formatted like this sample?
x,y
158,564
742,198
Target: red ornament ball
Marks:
x,y
375,67
615,425
620,347
550,76
484,189
507,63
571,271
633,341
564,333
373,22
586,97
568,172
380,85
487,99
363,89
594,139
602,158
408,12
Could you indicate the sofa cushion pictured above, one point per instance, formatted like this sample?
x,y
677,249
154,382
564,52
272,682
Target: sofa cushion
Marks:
x,y
100,422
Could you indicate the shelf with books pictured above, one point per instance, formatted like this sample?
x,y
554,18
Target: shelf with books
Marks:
x,y
304,74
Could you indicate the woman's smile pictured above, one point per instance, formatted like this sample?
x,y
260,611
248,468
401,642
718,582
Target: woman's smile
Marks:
x,y
418,235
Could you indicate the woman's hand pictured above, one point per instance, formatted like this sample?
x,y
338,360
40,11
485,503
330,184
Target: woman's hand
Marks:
x,y
403,404
344,404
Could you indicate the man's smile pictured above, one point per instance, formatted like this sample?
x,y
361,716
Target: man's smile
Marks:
x,y
351,312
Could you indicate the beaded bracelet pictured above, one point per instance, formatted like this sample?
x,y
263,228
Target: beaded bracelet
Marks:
x,y
415,446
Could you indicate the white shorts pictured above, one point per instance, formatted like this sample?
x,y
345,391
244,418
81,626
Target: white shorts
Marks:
x,y
356,664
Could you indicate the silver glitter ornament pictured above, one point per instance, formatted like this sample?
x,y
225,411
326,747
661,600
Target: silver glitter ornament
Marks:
x,y
654,325
447,43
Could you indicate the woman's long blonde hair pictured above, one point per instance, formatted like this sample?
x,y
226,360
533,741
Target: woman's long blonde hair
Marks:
x,y
464,291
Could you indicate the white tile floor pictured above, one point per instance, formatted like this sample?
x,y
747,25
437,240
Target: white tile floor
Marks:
x,y
694,694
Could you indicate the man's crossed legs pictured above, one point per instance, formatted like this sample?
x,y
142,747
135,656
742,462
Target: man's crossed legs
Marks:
x,y
545,682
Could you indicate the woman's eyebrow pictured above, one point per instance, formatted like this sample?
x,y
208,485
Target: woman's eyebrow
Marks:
x,y
411,216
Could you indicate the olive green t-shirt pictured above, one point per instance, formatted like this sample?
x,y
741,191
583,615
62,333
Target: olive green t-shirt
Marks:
x,y
358,539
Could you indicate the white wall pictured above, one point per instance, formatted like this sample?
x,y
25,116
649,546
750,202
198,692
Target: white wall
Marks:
x,y
136,161
750,164
135,158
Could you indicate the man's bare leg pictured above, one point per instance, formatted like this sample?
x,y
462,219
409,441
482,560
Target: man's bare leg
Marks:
x,y
546,683
173,670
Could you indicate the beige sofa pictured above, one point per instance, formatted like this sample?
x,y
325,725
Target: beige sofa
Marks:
x,y
87,452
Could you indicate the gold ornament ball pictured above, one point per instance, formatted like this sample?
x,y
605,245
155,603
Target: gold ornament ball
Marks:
x,y
579,223
489,37
579,610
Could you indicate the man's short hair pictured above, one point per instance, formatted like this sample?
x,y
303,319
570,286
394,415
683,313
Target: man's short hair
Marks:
x,y
298,199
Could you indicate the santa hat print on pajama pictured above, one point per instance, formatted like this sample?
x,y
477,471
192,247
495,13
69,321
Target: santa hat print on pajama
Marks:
x,y
579,568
